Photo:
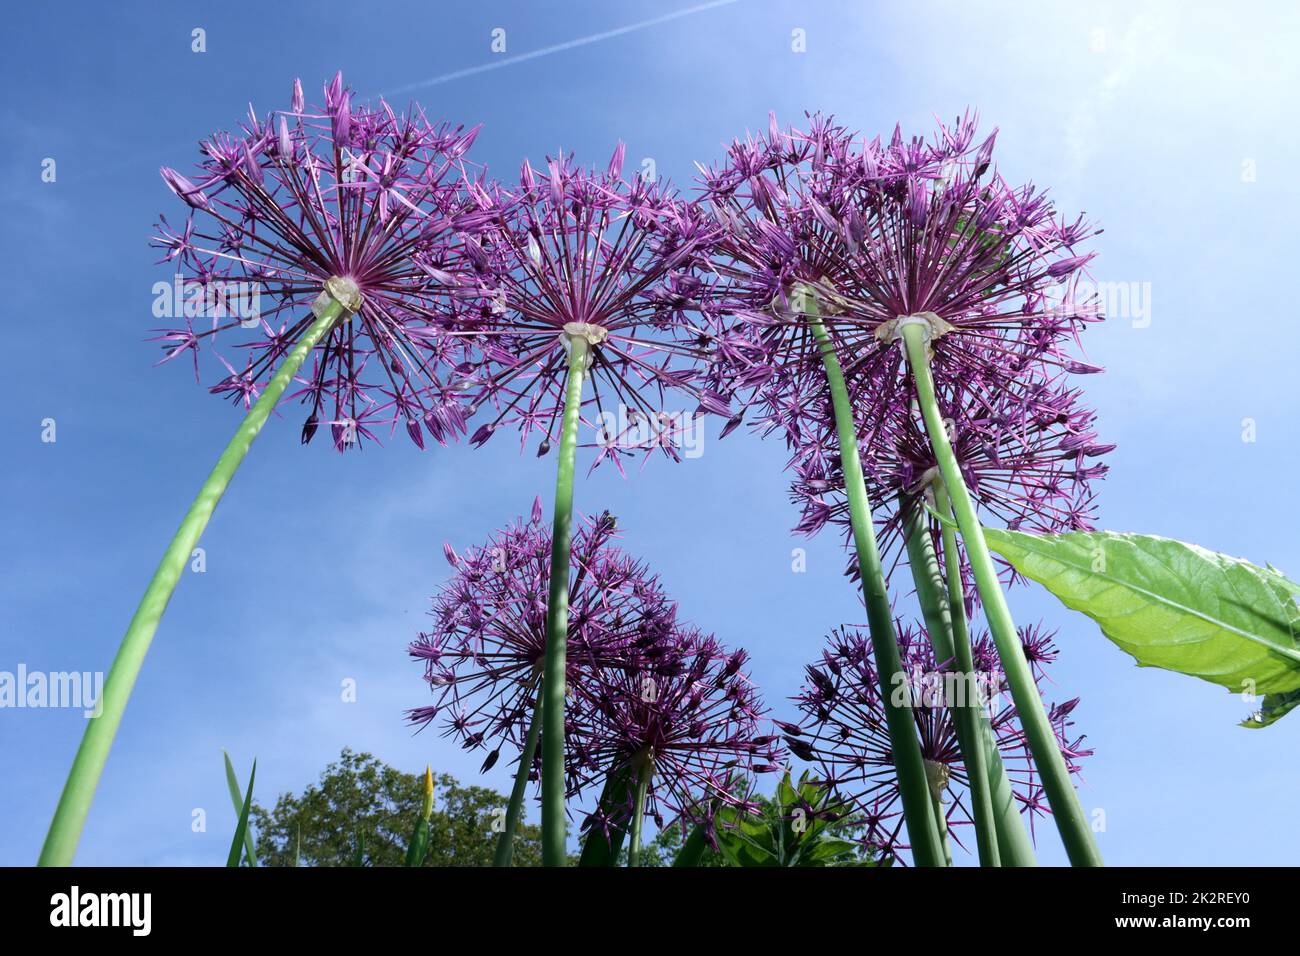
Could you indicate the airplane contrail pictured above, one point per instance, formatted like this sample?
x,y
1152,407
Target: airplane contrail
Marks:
x,y
103,170
558,47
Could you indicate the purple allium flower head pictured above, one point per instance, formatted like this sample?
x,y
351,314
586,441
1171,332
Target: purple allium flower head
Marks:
x,y
571,251
306,194
693,717
884,230
483,655
772,200
842,730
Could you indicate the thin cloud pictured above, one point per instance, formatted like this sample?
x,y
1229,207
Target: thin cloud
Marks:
x,y
558,47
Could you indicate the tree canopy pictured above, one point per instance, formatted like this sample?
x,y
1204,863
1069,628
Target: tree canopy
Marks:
x,y
362,802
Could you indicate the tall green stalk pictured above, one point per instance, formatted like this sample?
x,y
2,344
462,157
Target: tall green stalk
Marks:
x,y
1014,846
918,813
505,851
83,779
557,615
937,787
644,775
939,624
1066,809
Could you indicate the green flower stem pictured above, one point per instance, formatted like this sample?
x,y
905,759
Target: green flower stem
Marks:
x,y
941,821
941,626
557,616
1066,809
506,841
638,811
917,810
1014,847
79,791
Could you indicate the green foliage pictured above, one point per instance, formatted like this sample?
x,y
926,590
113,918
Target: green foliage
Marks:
x,y
1276,706
241,829
419,846
232,783
801,826
363,808
598,849
1173,605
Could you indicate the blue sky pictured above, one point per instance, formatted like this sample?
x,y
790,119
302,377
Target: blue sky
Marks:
x,y
1167,123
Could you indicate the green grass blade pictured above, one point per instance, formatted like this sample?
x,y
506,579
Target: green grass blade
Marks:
x,y
241,831
233,783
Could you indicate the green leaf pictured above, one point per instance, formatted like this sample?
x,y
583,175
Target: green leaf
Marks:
x,y
419,845
693,847
1276,706
232,782
241,831
830,850
1171,605
596,849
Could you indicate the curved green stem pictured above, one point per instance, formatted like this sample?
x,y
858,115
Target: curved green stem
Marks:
x,y
940,624
1066,809
79,791
638,811
557,616
913,789
1014,847
506,841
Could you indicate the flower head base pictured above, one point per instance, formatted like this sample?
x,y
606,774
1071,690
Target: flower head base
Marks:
x,y
307,195
574,252
842,729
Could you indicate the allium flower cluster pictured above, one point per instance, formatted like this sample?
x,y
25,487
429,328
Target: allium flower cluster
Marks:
x,y
295,198
885,230
571,252
842,730
693,719
643,688
483,655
